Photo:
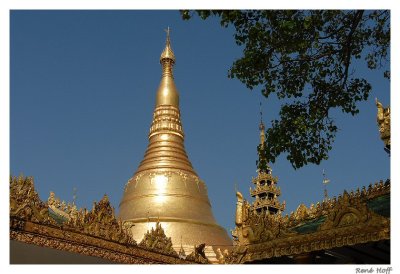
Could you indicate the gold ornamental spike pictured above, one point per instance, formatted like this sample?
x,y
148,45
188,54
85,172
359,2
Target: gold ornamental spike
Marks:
x,y
165,188
262,128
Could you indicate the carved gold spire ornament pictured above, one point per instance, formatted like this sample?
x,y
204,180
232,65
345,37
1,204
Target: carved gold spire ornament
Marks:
x,y
383,119
165,187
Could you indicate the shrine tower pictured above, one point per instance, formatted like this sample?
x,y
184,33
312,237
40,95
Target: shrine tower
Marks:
x,y
265,191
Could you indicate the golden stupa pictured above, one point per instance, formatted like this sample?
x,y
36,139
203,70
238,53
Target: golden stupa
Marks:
x,y
165,188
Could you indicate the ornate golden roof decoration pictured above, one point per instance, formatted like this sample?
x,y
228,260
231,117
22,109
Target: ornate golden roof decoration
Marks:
x,y
101,222
94,233
383,119
345,220
156,240
25,204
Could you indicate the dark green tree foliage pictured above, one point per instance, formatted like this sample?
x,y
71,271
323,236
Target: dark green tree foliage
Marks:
x,y
306,58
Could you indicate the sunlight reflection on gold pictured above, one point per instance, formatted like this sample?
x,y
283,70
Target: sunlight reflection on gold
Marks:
x,y
161,184
164,137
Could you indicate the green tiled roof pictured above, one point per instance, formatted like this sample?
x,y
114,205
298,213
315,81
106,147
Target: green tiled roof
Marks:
x,y
380,205
310,226
58,218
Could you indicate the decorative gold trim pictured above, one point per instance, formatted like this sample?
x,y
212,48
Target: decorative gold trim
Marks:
x,y
265,188
156,240
70,241
166,195
167,167
383,120
169,219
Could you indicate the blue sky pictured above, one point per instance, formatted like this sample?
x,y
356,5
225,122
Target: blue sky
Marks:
x,y
83,87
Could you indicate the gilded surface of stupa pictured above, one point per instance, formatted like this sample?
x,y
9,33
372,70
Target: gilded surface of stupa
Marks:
x,y
165,187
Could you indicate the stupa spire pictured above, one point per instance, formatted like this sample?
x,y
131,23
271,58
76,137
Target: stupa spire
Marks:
x,y
166,137
165,188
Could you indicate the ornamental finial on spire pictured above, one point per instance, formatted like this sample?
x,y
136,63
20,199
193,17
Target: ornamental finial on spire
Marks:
x,y
262,163
167,52
261,116
262,127
167,31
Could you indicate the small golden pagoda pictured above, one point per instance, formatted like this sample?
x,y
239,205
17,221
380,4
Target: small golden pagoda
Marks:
x,y
265,192
165,188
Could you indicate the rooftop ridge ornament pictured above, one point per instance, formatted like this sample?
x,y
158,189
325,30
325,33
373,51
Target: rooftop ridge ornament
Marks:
x,y
26,205
155,239
383,120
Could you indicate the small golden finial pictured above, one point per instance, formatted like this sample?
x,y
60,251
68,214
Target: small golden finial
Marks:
x,y
181,253
167,53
